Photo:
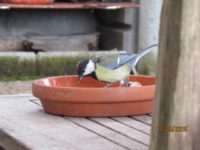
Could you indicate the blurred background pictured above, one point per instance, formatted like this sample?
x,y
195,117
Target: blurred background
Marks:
x,y
40,41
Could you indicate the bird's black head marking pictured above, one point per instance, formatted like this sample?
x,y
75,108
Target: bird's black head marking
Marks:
x,y
81,67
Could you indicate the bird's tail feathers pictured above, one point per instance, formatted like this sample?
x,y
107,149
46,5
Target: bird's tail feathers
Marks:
x,y
138,55
143,52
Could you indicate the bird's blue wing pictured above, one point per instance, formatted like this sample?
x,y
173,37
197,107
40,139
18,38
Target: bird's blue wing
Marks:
x,y
108,61
134,58
113,61
124,58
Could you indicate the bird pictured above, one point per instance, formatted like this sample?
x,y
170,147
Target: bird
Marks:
x,y
111,69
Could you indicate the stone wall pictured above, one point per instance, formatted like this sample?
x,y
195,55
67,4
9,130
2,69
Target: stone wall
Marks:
x,y
46,22
116,28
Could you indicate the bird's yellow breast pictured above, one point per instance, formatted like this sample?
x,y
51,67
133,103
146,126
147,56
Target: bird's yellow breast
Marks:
x,y
107,75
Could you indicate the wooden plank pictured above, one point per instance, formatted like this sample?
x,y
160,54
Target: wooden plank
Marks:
x,y
24,124
66,43
176,119
143,118
102,130
50,43
109,134
140,122
134,124
11,43
124,130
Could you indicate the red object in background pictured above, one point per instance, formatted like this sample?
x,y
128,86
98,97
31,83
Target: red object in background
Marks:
x,y
28,1
64,96
36,4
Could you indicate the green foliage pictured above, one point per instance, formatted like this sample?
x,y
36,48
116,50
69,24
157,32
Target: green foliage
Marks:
x,y
17,68
21,78
147,65
13,67
58,65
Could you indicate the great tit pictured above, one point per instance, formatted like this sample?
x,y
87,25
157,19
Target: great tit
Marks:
x,y
111,69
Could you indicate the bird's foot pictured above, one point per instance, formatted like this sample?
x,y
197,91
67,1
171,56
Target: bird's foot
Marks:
x,y
123,83
108,85
134,84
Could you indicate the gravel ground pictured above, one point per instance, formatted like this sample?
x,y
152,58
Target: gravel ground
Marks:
x,y
15,87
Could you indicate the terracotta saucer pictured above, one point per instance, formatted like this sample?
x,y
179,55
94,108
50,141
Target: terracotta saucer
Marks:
x,y
63,95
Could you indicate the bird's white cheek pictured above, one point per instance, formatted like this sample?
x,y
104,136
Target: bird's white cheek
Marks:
x,y
89,68
86,72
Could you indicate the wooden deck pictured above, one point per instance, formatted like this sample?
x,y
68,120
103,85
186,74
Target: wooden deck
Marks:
x,y
24,125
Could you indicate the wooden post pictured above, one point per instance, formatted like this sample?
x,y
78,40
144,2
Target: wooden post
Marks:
x,y
177,101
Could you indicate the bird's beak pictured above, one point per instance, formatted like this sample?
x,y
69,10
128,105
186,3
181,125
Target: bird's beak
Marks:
x,y
80,78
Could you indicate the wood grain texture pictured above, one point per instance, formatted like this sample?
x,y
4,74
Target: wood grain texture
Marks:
x,y
28,127
135,124
51,43
24,125
177,96
124,130
144,119
109,134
